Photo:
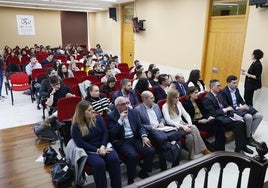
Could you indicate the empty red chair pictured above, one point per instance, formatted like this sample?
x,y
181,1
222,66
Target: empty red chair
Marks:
x,y
124,65
92,78
79,73
70,81
18,82
121,76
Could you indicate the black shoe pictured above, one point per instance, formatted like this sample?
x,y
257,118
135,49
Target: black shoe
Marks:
x,y
38,107
130,181
252,142
143,175
247,150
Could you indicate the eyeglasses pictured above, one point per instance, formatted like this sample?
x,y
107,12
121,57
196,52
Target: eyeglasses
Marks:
x,y
123,104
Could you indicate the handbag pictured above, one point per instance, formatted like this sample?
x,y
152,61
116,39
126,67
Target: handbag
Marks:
x,y
173,152
49,156
44,132
62,174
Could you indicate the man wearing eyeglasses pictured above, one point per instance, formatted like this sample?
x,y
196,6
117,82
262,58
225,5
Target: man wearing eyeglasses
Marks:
x,y
129,138
58,91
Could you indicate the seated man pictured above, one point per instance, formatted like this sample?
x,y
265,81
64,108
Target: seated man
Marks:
x,y
151,118
181,85
250,115
160,91
129,137
58,91
219,109
127,92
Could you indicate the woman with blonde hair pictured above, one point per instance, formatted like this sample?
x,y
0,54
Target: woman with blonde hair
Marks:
x,y
90,133
173,112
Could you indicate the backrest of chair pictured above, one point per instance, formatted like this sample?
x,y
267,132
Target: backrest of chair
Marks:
x,y
70,81
182,99
202,95
92,78
66,108
161,103
25,59
121,76
120,65
35,72
79,73
124,69
19,78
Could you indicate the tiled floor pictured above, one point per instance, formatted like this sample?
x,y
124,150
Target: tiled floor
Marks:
x,y
25,112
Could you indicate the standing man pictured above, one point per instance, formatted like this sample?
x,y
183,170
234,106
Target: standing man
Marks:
x,y
129,138
250,115
219,109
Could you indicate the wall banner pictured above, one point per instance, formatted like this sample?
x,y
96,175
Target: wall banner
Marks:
x,y
25,25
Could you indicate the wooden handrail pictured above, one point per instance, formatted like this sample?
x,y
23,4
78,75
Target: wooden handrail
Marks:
x,y
257,166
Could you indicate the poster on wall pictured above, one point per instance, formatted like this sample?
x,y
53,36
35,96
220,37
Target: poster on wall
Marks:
x,y
25,25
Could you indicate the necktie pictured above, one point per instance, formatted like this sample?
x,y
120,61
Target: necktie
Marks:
x,y
182,90
221,106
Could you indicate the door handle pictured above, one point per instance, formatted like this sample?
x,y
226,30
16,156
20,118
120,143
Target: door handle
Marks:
x,y
215,70
130,54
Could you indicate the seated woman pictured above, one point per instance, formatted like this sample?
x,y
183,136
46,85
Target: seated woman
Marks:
x,y
194,80
63,72
72,67
86,66
195,108
154,79
173,112
90,133
108,87
100,104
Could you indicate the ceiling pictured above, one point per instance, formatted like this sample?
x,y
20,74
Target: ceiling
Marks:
x,y
64,5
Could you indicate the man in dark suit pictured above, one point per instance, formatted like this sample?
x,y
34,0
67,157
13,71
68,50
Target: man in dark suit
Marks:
x,y
250,115
160,91
218,108
127,92
152,119
181,86
129,138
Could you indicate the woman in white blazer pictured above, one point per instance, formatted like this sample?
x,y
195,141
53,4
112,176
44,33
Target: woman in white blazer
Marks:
x,y
173,112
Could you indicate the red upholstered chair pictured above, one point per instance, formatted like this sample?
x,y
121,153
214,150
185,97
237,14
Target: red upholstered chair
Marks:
x,y
70,81
182,99
66,108
120,65
18,82
121,76
202,95
124,70
92,78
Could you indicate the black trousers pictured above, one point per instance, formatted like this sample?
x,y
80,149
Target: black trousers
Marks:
x,y
129,148
248,96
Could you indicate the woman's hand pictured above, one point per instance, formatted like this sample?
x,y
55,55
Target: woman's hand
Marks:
x,y
186,128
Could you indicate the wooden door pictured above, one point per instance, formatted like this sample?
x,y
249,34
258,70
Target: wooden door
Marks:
x,y
127,45
224,47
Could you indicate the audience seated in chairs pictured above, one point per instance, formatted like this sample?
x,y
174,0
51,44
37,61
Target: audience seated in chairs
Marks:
x,y
173,112
154,79
250,115
57,92
181,86
196,110
97,70
160,91
152,119
127,92
100,104
108,74
129,137
150,71
194,80
114,70
109,86
63,72
86,66
216,107
90,133
140,74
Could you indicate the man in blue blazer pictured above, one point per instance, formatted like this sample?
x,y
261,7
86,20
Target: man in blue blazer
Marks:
x,y
152,119
250,115
218,108
181,86
127,92
129,138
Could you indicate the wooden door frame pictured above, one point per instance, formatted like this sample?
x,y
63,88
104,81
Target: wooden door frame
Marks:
x,y
206,33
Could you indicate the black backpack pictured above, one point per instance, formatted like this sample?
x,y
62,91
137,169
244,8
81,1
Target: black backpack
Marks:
x,y
44,132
